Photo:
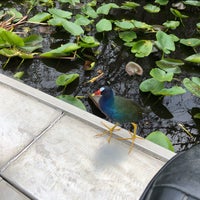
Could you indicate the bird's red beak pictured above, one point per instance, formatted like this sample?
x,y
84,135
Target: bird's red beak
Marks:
x,y
97,93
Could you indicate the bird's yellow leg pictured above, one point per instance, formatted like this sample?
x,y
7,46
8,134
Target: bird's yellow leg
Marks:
x,y
133,136
109,131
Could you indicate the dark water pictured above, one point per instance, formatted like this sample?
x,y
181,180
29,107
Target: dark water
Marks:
x,y
165,113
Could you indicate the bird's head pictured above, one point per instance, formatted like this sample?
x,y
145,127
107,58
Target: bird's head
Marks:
x,y
104,91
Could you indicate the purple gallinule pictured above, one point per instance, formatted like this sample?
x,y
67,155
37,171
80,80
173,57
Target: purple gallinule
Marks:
x,y
118,109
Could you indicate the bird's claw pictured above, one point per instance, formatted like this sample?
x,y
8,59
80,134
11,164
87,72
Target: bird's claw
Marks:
x,y
109,131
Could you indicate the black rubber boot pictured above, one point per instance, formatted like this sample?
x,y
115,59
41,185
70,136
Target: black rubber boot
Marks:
x,y
178,179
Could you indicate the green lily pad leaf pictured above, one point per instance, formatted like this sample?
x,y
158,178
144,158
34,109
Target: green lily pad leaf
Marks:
x,y
177,13
141,25
171,24
60,13
89,11
104,25
82,20
175,90
151,85
124,25
129,5
162,2
31,43
64,50
105,8
165,42
72,100
197,116
40,17
88,42
128,36
66,79
56,21
14,52
72,28
170,65
71,2
14,13
18,75
195,58
192,3
161,75
142,48
198,25
192,85
151,8
161,139
192,42
8,39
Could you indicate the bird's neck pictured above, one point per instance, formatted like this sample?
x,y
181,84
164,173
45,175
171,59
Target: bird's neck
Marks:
x,y
107,101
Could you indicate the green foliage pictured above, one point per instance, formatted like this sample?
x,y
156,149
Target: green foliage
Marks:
x,y
165,42
18,75
72,100
105,8
151,8
64,50
171,24
195,58
192,3
142,48
66,79
104,25
156,84
161,139
40,17
193,85
162,2
192,42
129,5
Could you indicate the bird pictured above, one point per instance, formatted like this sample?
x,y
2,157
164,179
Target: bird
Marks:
x,y
119,109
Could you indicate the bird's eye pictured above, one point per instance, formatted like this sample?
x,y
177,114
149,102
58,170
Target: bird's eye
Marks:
x,y
102,89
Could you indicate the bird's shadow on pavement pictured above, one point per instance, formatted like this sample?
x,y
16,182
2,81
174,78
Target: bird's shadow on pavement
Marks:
x,y
110,155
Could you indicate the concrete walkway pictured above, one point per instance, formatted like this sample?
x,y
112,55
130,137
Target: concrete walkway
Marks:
x,y
48,150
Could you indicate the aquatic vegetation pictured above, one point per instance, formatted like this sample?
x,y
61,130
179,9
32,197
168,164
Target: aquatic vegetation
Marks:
x,y
84,26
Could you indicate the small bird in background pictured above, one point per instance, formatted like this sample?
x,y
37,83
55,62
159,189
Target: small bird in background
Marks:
x,y
118,109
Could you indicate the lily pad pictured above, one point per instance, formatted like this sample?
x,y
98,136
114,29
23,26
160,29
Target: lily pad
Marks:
x,y
171,24
82,20
124,25
9,39
66,79
165,42
60,13
193,85
104,25
192,42
161,75
105,8
88,42
151,8
192,3
151,85
129,5
64,50
72,100
128,36
162,2
142,48
195,58
170,65
72,28
40,17
175,90
161,139
177,13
